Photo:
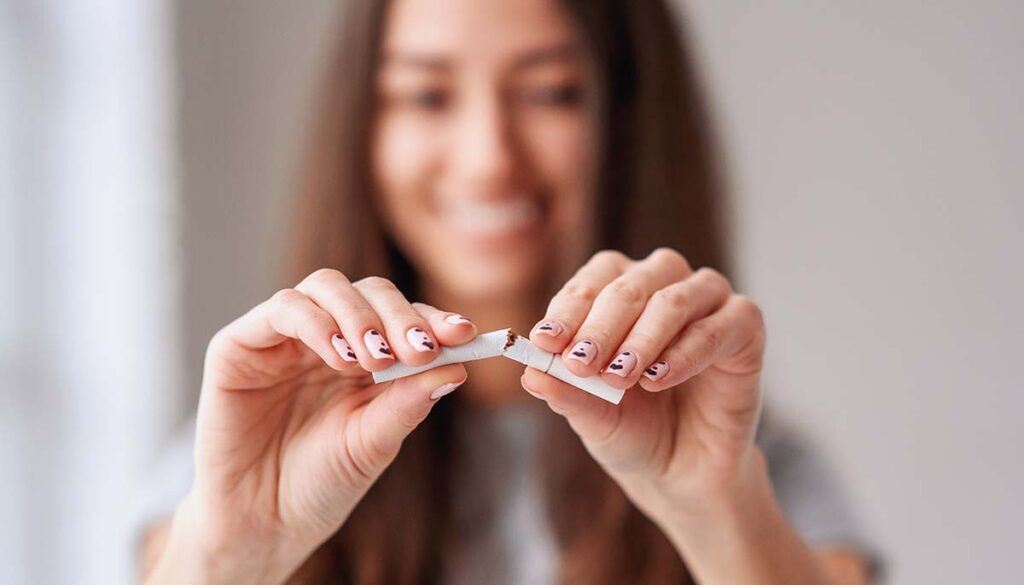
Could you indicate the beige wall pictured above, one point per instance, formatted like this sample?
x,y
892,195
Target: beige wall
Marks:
x,y
874,151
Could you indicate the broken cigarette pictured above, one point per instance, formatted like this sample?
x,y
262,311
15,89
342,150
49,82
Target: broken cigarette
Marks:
x,y
507,343
484,346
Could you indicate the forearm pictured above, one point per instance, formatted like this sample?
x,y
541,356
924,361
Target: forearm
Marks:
x,y
742,538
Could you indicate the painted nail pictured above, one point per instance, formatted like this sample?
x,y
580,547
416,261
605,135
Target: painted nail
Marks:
x,y
377,345
552,328
445,389
584,351
656,371
420,340
455,319
623,364
343,348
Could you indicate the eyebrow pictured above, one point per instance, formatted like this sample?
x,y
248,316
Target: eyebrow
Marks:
x,y
437,62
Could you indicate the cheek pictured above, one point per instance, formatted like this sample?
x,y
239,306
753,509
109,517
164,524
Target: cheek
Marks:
x,y
403,163
561,152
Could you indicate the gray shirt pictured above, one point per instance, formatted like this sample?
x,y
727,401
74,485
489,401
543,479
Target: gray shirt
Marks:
x,y
503,531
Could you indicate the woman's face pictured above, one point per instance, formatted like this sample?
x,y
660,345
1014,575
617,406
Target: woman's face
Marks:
x,y
482,142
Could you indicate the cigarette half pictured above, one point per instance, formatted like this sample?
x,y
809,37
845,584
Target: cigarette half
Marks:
x,y
484,346
528,354
507,343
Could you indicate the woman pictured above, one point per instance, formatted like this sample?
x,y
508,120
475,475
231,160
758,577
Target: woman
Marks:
x,y
471,156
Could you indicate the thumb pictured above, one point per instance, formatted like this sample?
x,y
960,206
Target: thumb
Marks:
x,y
592,418
401,407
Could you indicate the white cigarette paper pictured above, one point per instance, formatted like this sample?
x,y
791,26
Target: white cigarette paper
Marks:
x,y
507,343
484,346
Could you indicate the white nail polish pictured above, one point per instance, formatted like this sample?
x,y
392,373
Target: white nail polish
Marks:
x,y
377,345
622,365
656,371
419,340
552,328
454,319
584,351
445,389
343,348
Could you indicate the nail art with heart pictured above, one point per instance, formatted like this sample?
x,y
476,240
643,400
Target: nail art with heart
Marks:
x,y
584,351
343,348
656,371
623,364
552,328
419,339
377,345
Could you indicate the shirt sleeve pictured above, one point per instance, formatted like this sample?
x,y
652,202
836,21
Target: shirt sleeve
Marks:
x,y
811,495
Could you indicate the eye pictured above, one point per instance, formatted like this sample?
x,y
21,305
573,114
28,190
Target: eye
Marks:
x,y
556,95
430,99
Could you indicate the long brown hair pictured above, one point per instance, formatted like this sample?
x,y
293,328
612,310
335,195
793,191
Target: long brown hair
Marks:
x,y
656,185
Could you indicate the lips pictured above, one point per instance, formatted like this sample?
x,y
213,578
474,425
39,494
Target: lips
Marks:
x,y
488,218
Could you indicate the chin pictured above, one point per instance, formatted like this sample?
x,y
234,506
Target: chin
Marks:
x,y
494,278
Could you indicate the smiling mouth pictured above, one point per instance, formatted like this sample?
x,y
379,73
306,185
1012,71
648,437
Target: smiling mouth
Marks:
x,y
491,218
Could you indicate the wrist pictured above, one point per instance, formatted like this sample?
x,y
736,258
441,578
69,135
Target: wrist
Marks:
x,y
739,534
196,554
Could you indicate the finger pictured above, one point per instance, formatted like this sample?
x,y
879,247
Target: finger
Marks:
x,y
361,328
288,314
732,339
450,328
668,312
617,308
569,307
401,407
411,337
590,417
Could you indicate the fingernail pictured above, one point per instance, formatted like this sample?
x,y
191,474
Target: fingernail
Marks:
x,y
656,371
583,351
552,328
455,319
420,340
623,364
343,348
377,345
446,389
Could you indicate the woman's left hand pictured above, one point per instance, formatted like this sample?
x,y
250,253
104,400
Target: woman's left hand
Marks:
x,y
683,439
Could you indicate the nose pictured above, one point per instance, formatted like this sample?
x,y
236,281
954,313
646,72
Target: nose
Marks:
x,y
483,154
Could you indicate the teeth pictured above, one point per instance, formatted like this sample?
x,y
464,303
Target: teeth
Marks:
x,y
490,217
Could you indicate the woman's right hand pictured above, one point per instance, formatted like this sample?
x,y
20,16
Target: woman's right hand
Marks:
x,y
292,432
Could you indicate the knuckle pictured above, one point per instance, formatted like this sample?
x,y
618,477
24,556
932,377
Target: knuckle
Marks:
x,y
579,291
286,297
325,276
708,335
668,256
715,278
315,320
376,283
749,310
610,257
626,291
674,298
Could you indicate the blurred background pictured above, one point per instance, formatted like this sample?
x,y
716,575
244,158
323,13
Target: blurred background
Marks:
x,y
148,149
